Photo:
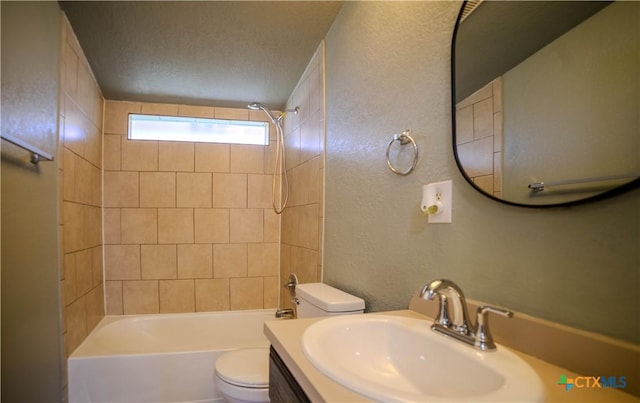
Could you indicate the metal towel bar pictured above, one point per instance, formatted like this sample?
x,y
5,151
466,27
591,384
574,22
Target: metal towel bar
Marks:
x,y
36,153
540,186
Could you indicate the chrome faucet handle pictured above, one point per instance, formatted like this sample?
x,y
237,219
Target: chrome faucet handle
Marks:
x,y
483,339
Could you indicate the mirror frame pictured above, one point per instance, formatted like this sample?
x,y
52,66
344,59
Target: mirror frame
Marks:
x,y
634,184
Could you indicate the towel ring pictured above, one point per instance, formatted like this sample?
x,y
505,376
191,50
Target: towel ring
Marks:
x,y
404,138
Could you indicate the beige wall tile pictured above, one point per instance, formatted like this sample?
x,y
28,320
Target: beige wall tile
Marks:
x,y
258,116
116,116
69,175
316,89
93,145
114,297
84,272
194,190
83,187
71,71
270,154
263,259
497,94
464,125
139,155
483,119
139,226
157,189
477,157
247,158
292,148
305,262
112,152
308,235
92,222
121,189
176,156
478,96
177,296
246,225
97,258
74,127
229,190
122,262
290,225
212,295
86,91
96,186
497,172
211,225
70,283
271,226
271,291
159,262
140,297
76,324
195,111
310,136
74,227
229,260
498,130
195,261
259,191
160,109
95,307
231,113
210,157
246,293
80,190
314,180
175,226
111,225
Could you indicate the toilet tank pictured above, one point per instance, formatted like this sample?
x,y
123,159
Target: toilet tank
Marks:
x,y
319,299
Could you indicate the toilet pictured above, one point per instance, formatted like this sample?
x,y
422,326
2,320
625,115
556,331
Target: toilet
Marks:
x,y
243,375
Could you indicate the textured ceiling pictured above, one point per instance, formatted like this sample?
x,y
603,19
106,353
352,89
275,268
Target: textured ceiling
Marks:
x,y
498,35
224,53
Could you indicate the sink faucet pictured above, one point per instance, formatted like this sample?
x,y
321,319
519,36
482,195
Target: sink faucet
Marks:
x,y
453,317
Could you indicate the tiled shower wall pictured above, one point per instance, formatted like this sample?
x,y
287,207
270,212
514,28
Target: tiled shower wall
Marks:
x,y
479,125
188,226
302,222
80,183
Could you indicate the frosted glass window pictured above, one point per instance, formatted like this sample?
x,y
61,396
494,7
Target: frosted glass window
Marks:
x,y
174,128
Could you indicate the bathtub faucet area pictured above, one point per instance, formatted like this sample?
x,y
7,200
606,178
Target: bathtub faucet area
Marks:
x,y
285,313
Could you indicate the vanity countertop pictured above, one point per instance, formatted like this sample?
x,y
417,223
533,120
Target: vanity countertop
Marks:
x,y
286,335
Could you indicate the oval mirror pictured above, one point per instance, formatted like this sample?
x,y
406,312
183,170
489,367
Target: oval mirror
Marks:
x,y
546,99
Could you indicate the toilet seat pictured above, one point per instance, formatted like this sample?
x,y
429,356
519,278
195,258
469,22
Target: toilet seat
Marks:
x,y
246,368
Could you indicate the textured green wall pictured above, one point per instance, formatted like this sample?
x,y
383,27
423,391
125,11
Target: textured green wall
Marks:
x,y
31,347
388,69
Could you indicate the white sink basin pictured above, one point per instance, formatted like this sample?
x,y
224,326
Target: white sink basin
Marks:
x,y
391,358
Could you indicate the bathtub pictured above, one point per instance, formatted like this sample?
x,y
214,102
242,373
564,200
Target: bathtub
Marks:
x,y
160,358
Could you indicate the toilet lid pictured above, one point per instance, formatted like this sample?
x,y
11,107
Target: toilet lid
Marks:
x,y
247,367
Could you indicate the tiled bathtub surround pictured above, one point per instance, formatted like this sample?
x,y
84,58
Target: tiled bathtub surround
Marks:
x,y
479,126
302,222
80,165
188,226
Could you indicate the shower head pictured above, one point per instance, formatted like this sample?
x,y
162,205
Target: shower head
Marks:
x,y
258,106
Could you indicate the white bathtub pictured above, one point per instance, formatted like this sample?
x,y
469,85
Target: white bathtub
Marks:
x,y
160,358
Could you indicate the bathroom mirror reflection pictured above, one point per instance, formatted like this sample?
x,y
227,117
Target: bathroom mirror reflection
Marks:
x,y
546,99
